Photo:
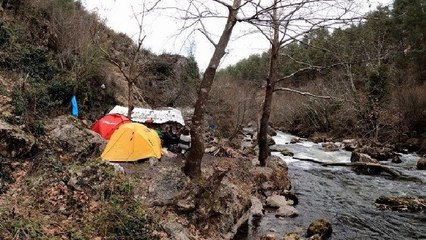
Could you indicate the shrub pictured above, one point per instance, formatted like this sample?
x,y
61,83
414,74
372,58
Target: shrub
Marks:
x,y
37,65
412,105
5,35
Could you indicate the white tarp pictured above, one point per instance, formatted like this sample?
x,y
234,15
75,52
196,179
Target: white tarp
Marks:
x,y
158,116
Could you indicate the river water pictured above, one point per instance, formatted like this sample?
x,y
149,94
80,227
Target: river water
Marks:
x,y
345,198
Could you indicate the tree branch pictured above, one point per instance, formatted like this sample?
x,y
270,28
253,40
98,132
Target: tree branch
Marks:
x,y
306,93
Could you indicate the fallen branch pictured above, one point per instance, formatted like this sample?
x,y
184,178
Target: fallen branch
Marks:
x,y
375,166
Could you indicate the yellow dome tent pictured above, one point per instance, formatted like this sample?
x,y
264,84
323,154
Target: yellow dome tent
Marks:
x,y
132,142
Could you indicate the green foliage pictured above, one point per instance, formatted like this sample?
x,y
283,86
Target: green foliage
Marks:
x,y
36,64
124,219
6,35
37,128
60,89
377,84
20,226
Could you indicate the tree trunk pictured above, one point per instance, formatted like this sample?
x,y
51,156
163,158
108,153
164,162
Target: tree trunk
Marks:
x,y
262,136
193,162
130,99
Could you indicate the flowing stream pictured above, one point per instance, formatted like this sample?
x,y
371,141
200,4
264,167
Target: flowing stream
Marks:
x,y
344,198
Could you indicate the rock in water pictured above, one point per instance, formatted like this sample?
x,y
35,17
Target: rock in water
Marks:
x,y
330,147
321,227
287,211
276,201
14,142
402,204
421,164
396,159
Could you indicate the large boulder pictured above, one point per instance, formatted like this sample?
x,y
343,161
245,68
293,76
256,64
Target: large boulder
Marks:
x,y
15,142
357,157
272,178
361,157
276,201
421,163
320,227
70,135
382,153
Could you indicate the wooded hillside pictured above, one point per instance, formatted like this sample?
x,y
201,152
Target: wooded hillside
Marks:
x,y
374,72
51,50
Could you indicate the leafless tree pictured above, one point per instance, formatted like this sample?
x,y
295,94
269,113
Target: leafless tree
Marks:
x,y
132,68
282,22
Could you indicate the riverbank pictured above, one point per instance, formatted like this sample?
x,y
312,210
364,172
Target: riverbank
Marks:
x,y
343,197
57,187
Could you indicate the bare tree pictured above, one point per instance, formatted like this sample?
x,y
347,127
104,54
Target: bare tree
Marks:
x,y
196,12
283,22
132,68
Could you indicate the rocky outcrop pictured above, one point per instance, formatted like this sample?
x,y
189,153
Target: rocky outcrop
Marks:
x,y
15,142
320,227
68,134
421,163
272,178
402,204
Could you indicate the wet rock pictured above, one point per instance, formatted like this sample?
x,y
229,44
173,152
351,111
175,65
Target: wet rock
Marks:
x,y
269,236
402,204
361,157
330,147
292,236
256,209
287,211
379,153
350,144
70,135
286,152
276,201
271,131
270,141
321,227
396,159
294,140
364,158
421,163
14,142
315,237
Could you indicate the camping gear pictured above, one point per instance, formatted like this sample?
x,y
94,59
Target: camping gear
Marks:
x,y
158,116
132,142
106,125
74,106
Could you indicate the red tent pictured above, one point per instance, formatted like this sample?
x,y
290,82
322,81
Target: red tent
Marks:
x,y
106,125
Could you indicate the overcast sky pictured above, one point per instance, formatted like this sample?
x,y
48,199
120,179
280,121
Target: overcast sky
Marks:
x,y
161,30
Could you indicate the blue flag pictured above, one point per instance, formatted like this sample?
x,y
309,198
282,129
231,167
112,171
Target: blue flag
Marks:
x,y
74,106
